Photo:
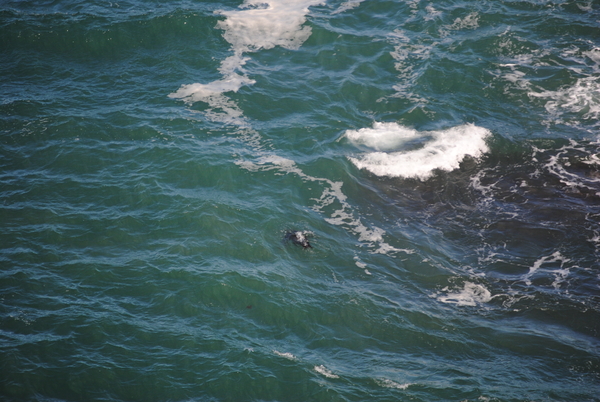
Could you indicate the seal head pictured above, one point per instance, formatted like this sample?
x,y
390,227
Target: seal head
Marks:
x,y
298,237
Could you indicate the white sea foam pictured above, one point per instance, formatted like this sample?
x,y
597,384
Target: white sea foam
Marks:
x,y
582,99
326,372
432,13
594,55
557,166
443,150
347,5
405,53
568,104
383,136
345,217
256,25
471,21
286,355
364,266
559,274
471,294
384,382
585,6
516,77
264,24
359,263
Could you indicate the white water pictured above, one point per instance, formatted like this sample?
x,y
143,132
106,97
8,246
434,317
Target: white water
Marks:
x,y
436,150
255,26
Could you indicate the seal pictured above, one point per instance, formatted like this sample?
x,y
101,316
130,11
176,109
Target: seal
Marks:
x,y
298,237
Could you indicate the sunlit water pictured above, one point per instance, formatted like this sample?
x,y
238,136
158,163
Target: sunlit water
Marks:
x,y
442,159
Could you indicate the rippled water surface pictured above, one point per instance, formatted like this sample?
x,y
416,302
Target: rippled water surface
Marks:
x,y
160,160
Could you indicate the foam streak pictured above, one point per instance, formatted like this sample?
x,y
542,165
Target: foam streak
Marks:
x,y
255,26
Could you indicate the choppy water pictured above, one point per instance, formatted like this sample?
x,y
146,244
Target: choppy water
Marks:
x,y
442,158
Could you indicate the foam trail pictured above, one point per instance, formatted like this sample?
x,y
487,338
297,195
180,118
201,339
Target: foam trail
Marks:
x,y
325,371
286,355
384,382
332,194
347,5
406,55
437,150
261,25
472,294
255,26
555,257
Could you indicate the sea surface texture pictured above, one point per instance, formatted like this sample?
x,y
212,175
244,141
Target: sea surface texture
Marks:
x,y
300,200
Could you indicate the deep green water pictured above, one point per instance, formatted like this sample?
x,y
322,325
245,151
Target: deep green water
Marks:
x,y
443,159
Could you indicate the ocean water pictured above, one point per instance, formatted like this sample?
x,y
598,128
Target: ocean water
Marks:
x,y
442,159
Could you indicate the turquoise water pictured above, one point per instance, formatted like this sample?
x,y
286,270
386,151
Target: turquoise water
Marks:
x,y
442,158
